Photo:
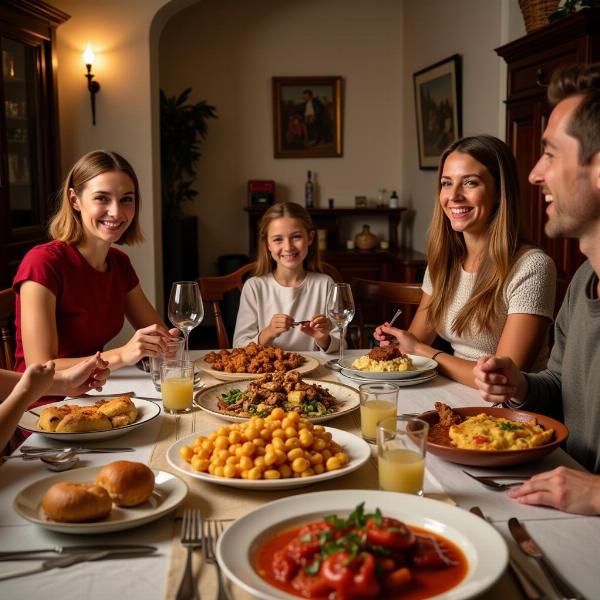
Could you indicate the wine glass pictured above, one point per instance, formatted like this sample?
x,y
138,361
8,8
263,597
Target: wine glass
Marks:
x,y
186,310
340,309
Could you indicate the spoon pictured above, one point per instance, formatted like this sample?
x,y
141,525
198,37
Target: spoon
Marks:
x,y
63,461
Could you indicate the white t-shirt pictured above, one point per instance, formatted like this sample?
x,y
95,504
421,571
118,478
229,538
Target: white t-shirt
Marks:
x,y
263,297
529,289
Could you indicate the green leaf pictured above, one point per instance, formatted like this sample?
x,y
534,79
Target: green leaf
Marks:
x,y
313,568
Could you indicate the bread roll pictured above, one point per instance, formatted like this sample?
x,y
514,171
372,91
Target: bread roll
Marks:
x,y
68,502
120,410
51,416
128,483
84,420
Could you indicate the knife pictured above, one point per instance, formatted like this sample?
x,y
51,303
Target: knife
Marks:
x,y
114,548
529,587
81,450
529,547
66,561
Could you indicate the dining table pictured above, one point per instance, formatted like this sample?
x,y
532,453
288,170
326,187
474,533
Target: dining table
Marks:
x,y
567,539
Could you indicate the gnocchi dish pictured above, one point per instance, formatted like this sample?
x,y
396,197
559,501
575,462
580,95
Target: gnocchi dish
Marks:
x,y
282,445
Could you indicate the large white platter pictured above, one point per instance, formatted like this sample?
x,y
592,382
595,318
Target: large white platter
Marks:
x,y
357,449
169,492
420,365
147,410
424,377
348,396
310,365
482,545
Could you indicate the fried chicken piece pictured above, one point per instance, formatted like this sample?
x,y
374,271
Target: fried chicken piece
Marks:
x,y
385,353
447,417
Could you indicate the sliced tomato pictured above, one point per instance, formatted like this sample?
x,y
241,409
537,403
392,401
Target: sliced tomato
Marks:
x,y
337,571
365,582
391,534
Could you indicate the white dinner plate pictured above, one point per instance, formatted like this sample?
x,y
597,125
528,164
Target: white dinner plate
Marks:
x,y
420,365
169,492
346,395
422,378
483,546
147,411
357,449
309,365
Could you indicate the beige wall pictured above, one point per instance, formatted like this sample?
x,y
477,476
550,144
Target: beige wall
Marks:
x,y
227,51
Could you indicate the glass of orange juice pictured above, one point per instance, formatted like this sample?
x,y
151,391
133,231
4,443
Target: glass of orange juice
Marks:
x,y
401,447
177,385
377,401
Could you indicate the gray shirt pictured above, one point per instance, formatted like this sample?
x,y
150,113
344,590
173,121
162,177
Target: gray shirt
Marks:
x,y
570,386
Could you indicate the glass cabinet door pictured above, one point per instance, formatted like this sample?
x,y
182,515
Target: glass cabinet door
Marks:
x,y
21,107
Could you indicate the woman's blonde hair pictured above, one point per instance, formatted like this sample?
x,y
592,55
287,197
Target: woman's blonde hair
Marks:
x,y
446,249
264,261
66,225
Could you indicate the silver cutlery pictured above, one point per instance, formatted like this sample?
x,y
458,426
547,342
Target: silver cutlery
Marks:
x,y
191,537
396,315
494,485
300,323
70,559
529,587
31,450
211,531
529,547
38,553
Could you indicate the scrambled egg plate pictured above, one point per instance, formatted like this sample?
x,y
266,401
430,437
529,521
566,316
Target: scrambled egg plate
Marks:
x,y
483,432
401,363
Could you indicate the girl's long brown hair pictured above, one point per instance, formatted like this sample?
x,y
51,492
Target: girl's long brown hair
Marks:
x,y
446,249
264,261
66,225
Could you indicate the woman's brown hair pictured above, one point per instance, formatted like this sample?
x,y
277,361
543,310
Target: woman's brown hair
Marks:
x,y
264,261
66,225
446,249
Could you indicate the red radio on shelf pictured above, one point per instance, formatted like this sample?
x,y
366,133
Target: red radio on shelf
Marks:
x,y
261,193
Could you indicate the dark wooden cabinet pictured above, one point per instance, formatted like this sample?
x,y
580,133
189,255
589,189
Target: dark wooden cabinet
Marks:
x,y
531,60
29,135
392,264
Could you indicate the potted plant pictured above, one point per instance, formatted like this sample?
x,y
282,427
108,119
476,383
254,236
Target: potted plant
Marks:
x,y
183,128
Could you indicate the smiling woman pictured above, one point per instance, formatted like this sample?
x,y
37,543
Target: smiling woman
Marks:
x,y
486,290
74,292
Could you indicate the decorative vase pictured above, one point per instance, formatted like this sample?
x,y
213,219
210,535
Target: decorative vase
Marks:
x,y
365,240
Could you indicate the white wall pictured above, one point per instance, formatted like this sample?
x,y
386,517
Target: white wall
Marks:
x,y
227,51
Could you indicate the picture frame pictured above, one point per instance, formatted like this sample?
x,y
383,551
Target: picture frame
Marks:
x,y
438,108
307,117
360,202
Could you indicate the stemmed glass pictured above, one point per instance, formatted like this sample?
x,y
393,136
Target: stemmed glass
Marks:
x,y
186,310
340,309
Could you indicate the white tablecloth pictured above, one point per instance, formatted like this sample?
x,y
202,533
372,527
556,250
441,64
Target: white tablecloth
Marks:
x,y
569,540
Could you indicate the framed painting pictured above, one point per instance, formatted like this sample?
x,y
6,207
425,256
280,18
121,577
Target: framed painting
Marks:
x,y
307,117
438,109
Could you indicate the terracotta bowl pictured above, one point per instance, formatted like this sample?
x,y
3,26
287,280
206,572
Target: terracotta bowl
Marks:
x,y
502,458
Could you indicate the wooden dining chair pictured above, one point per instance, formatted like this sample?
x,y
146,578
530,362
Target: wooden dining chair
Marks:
x,y
213,290
372,297
7,327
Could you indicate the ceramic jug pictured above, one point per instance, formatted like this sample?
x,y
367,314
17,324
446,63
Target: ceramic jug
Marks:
x,y
365,240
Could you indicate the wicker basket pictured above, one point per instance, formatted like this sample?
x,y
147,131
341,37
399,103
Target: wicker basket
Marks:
x,y
535,12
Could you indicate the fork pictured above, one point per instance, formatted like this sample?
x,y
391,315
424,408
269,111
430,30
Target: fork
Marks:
x,y
191,537
491,483
211,531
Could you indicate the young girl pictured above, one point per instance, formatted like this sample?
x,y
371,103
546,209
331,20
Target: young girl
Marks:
x,y
74,292
283,304
485,290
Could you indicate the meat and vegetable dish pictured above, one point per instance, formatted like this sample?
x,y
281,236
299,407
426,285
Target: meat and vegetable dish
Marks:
x,y
284,390
486,432
254,358
383,358
365,555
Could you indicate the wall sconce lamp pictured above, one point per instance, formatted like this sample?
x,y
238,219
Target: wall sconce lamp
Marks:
x,y
93,86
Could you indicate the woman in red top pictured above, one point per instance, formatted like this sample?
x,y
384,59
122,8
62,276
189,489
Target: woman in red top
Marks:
x,y
74,291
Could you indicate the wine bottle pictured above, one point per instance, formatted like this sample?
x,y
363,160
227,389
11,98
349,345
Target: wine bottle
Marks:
x,y
309,192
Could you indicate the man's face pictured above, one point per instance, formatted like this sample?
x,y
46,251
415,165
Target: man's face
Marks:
x,y
571,190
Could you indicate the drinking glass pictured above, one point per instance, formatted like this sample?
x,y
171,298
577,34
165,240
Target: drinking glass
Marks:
x,y
186,310
177,385
340,309
401,446
377,401
174,352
